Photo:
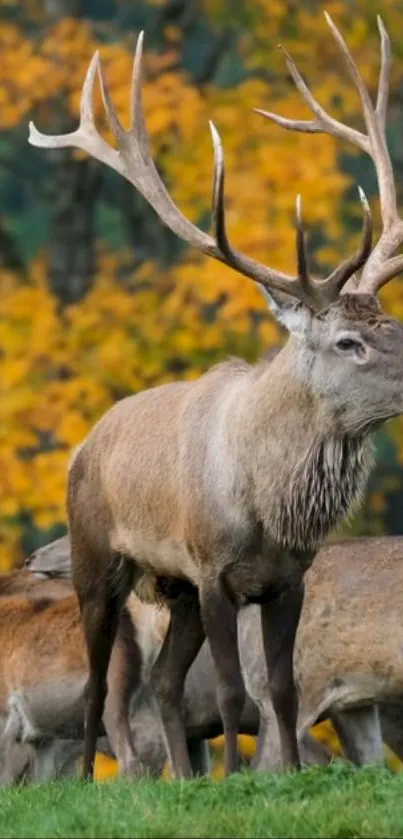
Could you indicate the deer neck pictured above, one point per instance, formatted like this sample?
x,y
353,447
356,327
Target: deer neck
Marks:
x,y
308,473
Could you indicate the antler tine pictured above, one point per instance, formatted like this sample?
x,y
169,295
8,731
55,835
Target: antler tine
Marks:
x,y
137,164
384,75
137,121
36,138
112,117
305,126
385,272
86,101
302,261
218,209
378,148
331,287
138,128
323,122
86,136
296,286
338,279
378,267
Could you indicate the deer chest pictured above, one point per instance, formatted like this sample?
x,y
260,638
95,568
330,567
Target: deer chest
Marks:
x,y
253,579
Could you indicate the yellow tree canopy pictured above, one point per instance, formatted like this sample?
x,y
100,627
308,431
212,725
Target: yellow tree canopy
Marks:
x,y
61,368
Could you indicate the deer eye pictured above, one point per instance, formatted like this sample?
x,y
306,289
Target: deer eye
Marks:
x,y
350,345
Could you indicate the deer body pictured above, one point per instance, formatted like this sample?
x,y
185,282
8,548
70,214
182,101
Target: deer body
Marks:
x,y
230,505
348,659
353,604
23,582
217,493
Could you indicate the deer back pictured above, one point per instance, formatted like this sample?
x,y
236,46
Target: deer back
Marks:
x,y
24,583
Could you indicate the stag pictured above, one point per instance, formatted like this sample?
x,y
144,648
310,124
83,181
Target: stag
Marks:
x,y
217,493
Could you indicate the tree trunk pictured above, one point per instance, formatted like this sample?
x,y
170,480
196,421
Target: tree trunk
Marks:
x,y
62,8
75,186
74,189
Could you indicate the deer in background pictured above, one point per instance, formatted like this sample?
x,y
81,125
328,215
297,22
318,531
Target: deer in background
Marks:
x,y
348,664
51,561
42,679
348,654
217,493
44,670
23,582
348,661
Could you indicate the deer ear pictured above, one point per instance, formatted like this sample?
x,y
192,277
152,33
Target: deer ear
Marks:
x,y
291,313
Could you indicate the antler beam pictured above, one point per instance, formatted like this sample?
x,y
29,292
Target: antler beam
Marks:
x,y
381,266
133,160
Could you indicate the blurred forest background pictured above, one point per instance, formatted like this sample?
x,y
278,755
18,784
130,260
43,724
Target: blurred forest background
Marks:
x,y
97,298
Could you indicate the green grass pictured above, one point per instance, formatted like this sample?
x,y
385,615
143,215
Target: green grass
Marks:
x,y
334,802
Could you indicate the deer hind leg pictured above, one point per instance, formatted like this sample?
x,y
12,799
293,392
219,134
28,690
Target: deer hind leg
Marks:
x,y
124,681
117,727
100,603
181,645
220,622
359,730
280,617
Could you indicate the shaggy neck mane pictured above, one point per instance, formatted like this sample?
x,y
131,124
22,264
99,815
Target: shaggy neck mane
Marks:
x,y
326,487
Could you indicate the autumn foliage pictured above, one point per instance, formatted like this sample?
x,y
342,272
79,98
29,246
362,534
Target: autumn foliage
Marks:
x,y
151,310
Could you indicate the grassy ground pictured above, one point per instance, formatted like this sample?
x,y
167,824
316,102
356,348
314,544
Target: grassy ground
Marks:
x,y
334,802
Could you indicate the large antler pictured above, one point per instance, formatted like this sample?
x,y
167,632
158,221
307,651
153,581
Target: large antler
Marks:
x,y
381,265
133,160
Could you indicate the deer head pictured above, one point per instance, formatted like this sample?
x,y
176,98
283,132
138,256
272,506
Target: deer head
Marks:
x,y
349,349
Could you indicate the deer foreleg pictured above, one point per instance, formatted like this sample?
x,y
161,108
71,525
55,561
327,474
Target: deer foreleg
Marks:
x,y
220,622
181,645
124,681
280,617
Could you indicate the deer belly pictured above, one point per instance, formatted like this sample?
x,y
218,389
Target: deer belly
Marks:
x,y
167,557
49,710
